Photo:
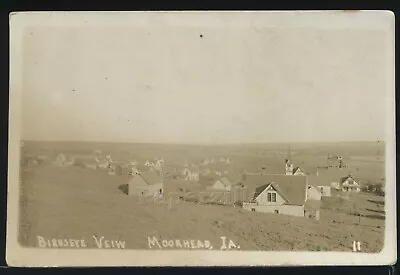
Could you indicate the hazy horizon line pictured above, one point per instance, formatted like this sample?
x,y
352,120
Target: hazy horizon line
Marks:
x,y
205,143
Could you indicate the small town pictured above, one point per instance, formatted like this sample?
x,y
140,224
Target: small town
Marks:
x,y
282,186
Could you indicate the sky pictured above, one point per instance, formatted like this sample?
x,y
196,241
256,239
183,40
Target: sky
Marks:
x,y
188,84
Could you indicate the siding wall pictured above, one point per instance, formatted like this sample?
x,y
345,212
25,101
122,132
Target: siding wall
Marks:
x,y
292,210
326,190
138,187
312,214
313,194
263,197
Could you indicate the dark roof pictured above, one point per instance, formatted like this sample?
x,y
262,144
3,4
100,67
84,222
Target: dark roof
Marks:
x,y
291,188
151,177
317,181
259,190
312,205
343,179
142,168
327,175
297,168
169,170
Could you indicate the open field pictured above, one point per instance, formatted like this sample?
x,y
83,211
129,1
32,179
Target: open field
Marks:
x,y
74,202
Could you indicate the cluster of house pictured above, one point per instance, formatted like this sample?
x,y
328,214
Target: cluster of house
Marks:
x,y
207,161
292,193
335,161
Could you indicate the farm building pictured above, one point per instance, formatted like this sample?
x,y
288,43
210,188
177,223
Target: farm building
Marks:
x,y
311,209
41,158
335,185
157,163
60,160
85,161
280,194
205,172
348,184
328,177
134,171
191,173
117,170
169,171
102,164
29,160
222,184
321,183
147,184
313,192
91,164
298,172
133,163
325,190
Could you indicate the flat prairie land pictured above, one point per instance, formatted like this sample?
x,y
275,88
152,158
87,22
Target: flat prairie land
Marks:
x,y
79,203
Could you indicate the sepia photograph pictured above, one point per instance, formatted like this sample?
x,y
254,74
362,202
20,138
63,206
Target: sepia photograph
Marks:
x,y
201,139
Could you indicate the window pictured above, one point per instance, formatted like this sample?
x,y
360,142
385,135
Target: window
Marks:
x,y
271,197
276,211
253,209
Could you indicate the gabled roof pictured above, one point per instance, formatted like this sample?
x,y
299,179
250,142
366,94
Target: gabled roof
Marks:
x,y
225,181
293,189
354,182
343,179
297,168
276,187
151,177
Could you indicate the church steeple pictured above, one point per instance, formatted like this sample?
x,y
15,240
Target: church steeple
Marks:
x,y
288,163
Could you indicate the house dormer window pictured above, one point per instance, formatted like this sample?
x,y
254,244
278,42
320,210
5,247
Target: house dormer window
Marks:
x,y
271,197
